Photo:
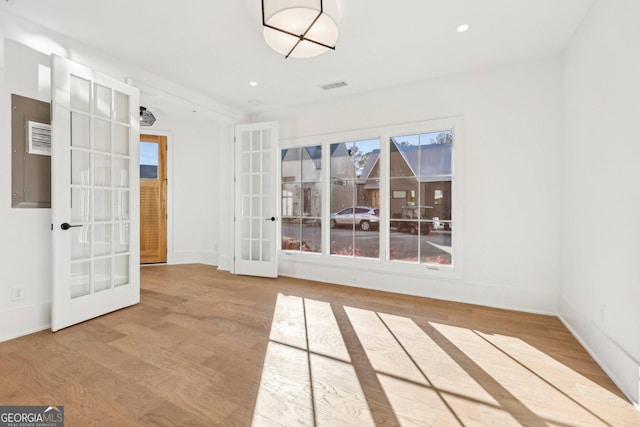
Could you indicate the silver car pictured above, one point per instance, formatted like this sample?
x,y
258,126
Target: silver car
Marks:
x,y
365,217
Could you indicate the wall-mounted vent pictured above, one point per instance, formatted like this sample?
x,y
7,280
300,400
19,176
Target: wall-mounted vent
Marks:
x,y
335,85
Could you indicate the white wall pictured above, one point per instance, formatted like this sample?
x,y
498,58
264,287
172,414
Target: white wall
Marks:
x,y
195,141
25,242
600,291
193,193
511,167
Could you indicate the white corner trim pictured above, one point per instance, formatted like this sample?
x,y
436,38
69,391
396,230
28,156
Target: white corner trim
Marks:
x,y
616,362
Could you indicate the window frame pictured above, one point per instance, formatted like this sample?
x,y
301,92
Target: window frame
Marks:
x,y
384,264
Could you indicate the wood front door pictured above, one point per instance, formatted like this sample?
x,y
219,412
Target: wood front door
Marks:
x,y
153,199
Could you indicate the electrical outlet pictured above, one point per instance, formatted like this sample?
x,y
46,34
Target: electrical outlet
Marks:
x,y
17,293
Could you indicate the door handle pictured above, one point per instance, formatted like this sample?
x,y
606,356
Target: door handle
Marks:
x,y
66,225
273,218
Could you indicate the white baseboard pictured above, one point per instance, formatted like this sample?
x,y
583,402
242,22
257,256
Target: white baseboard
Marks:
x,y
24,320
612,358
193,257
457,290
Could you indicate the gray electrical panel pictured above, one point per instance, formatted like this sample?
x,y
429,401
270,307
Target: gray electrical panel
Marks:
x,y
30,153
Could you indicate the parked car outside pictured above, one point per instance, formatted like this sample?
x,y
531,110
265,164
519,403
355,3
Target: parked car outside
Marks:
x,y
365,217
409,217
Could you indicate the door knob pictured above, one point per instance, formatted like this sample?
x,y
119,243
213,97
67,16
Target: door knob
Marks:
x,y
273,218
66,225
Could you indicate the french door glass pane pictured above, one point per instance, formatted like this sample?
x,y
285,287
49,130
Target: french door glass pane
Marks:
x,y
256,140
121,107
102,239
80,205
266,251
102,205
102,135
102,170
80,279
80,126
121,270
102,97
102,274
80,243
121,139
121,238
120,172
121,205
80,167
80,94
266,161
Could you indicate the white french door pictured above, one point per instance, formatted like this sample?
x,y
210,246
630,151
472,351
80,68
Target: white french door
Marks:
x,y
256,202
94,180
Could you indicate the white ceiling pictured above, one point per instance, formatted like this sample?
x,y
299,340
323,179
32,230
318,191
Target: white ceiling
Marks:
x,y
215,47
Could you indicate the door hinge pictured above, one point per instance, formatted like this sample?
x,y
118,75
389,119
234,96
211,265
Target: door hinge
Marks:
x,y
51,227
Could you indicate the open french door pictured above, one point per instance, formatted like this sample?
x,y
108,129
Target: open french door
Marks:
x,y
256,202
94,180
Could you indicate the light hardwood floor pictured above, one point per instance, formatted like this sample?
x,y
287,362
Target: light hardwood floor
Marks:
x,y
205,348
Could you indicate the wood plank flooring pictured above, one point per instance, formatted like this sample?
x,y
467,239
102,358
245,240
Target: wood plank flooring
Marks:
x,y
206,348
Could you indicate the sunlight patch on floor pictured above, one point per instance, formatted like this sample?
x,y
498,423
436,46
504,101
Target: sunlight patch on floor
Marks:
x,y
307,377
431,374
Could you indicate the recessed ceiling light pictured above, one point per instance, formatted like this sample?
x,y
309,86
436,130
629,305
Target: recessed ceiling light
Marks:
x,y
253,83
462,28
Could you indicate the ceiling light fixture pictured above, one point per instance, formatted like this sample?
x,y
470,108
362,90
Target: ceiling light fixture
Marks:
x,y
146,117
253,83
299,28
462,28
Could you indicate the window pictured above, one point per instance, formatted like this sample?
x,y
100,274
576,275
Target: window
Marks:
x,y
420,168
149,160
389,199
355,199
302,199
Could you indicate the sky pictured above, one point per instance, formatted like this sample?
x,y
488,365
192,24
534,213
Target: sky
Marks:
x,y
149,153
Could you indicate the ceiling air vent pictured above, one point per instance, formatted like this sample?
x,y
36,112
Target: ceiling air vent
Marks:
x,y
335,85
